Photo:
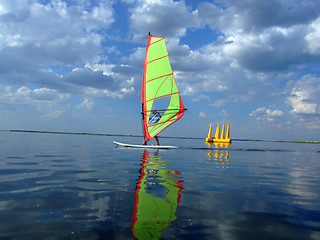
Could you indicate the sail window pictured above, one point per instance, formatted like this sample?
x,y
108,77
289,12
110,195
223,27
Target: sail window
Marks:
x,y
161,104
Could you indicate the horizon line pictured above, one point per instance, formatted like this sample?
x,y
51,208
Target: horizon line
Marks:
x,y
133,135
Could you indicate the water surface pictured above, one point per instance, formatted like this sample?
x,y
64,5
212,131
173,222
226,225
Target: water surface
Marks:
x,y
55,186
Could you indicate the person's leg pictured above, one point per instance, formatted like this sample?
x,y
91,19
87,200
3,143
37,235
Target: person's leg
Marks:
x,y
156,138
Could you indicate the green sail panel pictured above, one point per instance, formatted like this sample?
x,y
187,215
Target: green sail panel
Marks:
x,y
159,84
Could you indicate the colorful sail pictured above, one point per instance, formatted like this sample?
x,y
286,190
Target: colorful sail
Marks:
x,y
159,89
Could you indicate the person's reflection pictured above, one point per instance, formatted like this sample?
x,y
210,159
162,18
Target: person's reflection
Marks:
x,y
157,196
219,155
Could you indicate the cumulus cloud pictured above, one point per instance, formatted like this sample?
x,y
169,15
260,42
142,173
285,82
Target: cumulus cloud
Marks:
x,y
253,16
105,93
69,40
45,43
222,52
313,38
254,41
259,36
165,17
25,95
269,50
88,78
38,102
304,97
301,104
266,114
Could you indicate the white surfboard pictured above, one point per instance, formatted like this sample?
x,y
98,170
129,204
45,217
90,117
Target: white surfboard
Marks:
x,y
142,146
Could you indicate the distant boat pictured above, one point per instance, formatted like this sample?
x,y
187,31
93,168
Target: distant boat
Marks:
x,y
159,89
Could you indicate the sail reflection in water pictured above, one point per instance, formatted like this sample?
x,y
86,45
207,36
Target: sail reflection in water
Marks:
x,y
219,155
157,197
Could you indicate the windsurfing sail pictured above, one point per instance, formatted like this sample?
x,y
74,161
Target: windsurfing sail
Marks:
x,y
160,93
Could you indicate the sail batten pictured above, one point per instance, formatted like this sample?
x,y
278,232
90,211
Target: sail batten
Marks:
x,y
158,59
159,87
159,77
163,96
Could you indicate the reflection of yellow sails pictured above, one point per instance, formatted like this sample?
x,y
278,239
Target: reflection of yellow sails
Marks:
x,y
157,197
219,155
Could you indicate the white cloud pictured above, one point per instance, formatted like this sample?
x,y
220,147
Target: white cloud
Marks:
x,y
105,68
261,37
313,38
300,102
99,81
252,16
269,50
87,104
265,114
48,103
224,113
274,113
222,53
30,24
38,39
105,93
25,95
100,16
24,91
163,17
202,115
304,97
32,54
248,45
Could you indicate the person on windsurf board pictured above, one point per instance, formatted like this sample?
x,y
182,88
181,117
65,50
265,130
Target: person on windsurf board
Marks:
x,y
154,118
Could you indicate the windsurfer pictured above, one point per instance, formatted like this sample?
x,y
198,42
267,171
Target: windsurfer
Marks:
x,y
154,118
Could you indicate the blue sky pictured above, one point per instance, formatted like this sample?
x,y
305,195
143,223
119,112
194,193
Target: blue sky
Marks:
x,y
77,65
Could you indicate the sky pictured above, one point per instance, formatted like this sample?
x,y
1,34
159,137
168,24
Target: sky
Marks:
x,y
77,66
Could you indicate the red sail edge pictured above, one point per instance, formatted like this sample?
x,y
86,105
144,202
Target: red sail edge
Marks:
x,y
147,136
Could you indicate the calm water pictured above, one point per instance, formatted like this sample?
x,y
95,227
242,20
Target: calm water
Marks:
x,y
82,187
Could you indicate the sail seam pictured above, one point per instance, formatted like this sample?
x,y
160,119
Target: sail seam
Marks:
x,y
158,59
161,38
168,109
152,99
163,81
159,77
172,118
155,127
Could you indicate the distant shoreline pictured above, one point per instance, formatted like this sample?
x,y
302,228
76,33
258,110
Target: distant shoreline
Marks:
x,y
131,135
